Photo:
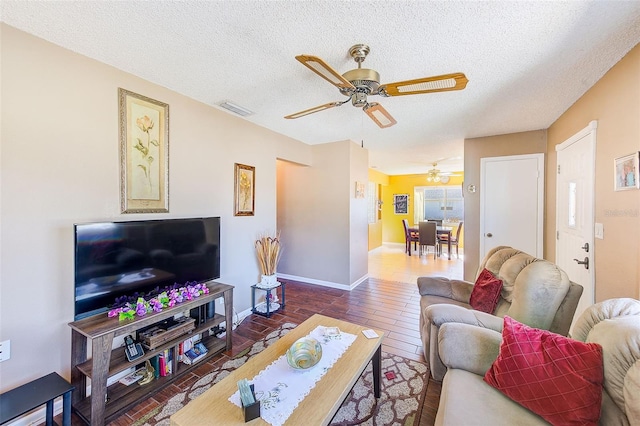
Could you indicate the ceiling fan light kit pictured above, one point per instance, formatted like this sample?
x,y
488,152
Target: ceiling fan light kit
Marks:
x,y
359,83
436,176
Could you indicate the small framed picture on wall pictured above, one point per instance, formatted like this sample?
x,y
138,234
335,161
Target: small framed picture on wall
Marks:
x,y
244,188
626,172
401,203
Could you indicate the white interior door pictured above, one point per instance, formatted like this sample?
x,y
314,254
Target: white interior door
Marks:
x,y
511,203
574,211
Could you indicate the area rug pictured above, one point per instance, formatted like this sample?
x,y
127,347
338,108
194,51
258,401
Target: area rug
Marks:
x,y
403,387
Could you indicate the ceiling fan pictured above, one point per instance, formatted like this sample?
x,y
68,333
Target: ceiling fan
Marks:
x,y
359,83
435,175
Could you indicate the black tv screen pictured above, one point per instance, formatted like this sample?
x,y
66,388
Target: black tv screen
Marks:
x,y
115,259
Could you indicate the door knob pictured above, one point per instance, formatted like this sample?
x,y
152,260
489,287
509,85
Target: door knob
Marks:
x,y
584,262
585,247
489,235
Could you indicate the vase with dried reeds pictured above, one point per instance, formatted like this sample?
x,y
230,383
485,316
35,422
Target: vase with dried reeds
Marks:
x,y
268,250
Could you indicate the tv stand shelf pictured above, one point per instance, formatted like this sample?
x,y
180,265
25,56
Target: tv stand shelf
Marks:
x,y
106,362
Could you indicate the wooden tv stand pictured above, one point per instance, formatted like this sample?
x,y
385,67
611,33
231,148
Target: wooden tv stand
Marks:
x,y
106,362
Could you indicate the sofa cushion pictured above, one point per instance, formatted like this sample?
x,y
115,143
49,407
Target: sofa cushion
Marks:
x,y
466,400
486,292
554,376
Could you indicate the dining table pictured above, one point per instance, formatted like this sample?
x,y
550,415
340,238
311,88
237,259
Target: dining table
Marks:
x,y
440,230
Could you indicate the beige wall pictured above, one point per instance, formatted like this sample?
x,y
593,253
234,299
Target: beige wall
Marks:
x,y
60,166
318,212
358,221
615,103
474,150
375,229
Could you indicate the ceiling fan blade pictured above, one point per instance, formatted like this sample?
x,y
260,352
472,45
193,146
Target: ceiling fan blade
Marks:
x,y
325,71
439,83
314,109
379,115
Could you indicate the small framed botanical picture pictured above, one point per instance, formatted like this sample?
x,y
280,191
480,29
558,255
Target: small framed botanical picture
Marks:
x,y
359,189
401,203
626,172
245,185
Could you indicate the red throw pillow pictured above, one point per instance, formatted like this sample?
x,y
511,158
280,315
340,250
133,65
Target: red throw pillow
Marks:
x,y
486,292
556,377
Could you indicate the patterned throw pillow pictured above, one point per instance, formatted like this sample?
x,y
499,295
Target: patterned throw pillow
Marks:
x,y
556,377
486,292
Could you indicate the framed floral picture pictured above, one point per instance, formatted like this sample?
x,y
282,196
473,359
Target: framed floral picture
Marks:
x,y
244,184
626,173
144,153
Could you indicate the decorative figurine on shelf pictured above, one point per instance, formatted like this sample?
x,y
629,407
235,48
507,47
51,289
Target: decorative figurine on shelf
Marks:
x,y
148,374
268,250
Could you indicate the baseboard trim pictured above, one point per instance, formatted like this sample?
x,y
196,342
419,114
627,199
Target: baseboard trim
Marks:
x,y
323,283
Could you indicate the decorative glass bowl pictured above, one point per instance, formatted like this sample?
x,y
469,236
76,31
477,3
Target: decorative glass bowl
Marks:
x,y
304,353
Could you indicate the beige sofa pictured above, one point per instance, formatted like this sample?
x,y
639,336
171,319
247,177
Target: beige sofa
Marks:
x,y
535,292
468,352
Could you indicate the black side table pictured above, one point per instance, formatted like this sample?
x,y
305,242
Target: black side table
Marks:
x,y
25,398
269,304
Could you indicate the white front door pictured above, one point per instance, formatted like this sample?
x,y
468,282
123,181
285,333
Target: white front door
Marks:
x,y
574,211
512,203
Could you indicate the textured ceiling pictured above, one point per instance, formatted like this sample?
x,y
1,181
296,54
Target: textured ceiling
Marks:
x,y
527,62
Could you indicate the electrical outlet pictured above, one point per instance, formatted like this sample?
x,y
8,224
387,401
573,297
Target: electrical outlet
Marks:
x,y
5,350
220,301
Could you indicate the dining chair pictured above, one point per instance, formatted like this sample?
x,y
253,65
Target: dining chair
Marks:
x,y
427,236
409,237
455,240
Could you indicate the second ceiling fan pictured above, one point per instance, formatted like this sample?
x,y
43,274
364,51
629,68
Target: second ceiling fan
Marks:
x,y
359,83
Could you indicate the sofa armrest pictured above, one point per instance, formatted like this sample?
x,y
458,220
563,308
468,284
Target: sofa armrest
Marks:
x,y
441,286
468,347
440,314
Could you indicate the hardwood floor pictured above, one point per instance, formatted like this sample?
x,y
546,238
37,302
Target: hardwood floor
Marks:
x,y
388,301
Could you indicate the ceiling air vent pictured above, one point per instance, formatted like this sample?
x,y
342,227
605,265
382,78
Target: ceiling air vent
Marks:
x,y
235,108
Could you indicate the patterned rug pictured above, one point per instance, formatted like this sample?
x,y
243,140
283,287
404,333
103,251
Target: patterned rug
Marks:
x,y
400,402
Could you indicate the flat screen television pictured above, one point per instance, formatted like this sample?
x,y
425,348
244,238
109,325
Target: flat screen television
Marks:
x,y
115,259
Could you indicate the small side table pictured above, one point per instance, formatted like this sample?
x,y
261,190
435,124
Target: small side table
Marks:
x,y
269,304
44,390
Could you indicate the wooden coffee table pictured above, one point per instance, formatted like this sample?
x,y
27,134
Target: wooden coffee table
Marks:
x,y
318,408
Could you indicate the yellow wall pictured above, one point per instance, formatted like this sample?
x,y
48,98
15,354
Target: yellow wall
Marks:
x,y
392,230
375,229
614,101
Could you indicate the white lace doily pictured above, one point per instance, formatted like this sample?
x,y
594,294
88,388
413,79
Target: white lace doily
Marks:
x,y
280,388
262,308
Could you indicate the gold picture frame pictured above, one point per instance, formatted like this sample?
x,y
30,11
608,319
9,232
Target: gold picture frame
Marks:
x,y
144,153
244,190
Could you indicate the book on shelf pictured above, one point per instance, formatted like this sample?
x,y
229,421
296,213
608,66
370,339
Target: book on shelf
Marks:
x,y
195,354
132,378
185,346
165,364
155,363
